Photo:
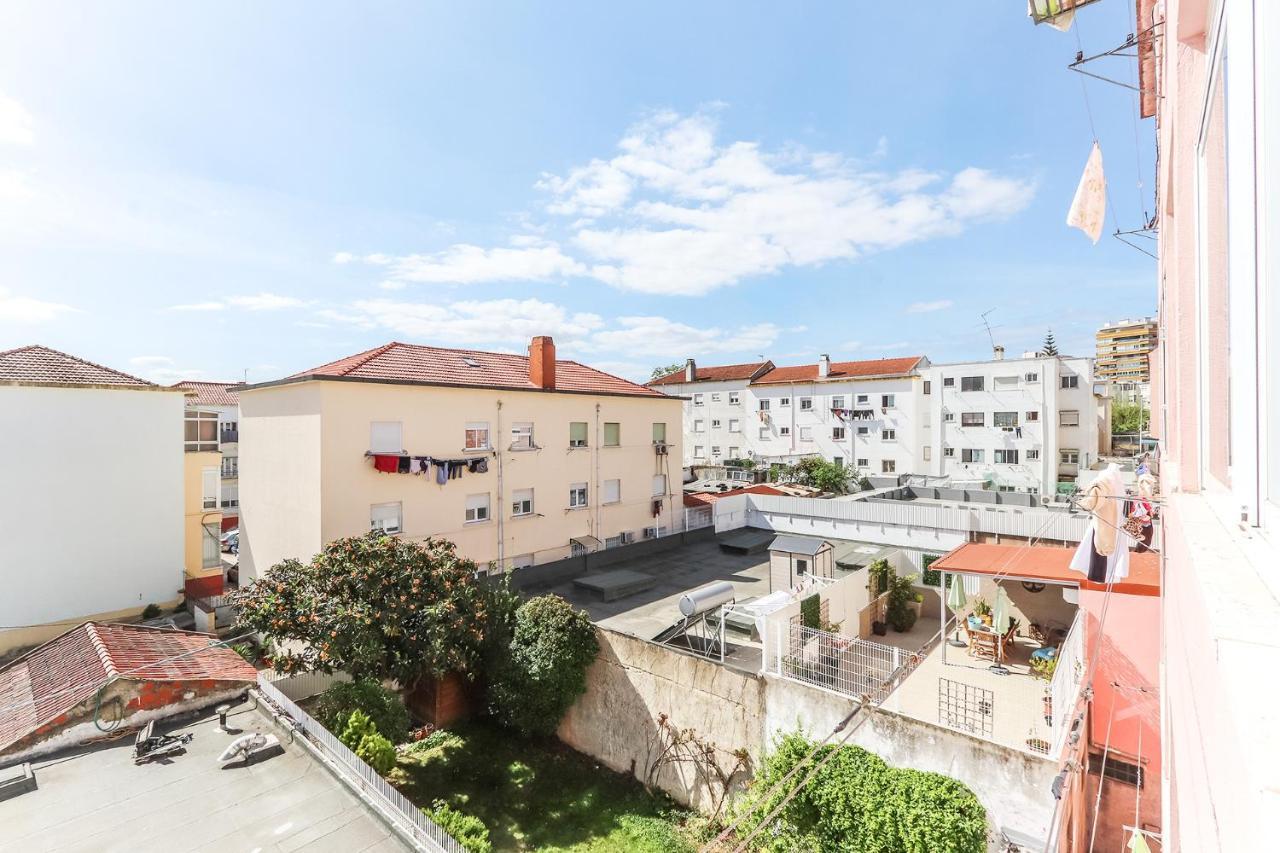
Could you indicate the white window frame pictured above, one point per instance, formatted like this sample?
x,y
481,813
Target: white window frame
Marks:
x,y
386,517
617,434
522,435
477,509
806,404
837,401
948,452
659,432
764,405
734,398
765,435
699,425
927,452
862,463
806,433
201,444
1033,455
1068,456
977,456
211,487
735,425
784,431
386,437
1069,418
697,399
837,433
715,397
586,434
476,436
611,492
888,466
979,381
579,497
1069,382
888,435
521,502
888,401
659,486
715,423
784,402
699,451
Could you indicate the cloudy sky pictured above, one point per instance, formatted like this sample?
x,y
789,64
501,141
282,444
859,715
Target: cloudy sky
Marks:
x,y
242,187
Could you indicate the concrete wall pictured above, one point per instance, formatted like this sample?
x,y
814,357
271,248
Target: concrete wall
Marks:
x,y
91,509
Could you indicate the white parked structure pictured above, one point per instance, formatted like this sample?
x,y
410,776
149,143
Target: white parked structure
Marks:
x,y
92,507
1022,424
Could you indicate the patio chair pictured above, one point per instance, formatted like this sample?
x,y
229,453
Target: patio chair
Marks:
x,y
982,644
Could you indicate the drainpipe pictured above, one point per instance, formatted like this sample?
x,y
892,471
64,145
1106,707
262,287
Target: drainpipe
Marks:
x,y
595,500
502,541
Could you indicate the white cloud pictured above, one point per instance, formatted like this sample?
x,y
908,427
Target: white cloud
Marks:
x,y
466,264
162,369
926,307
660,337
343,257
23,310
17,127
265,302
198,306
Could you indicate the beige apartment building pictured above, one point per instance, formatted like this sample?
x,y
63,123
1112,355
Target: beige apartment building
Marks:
x,y
1124,351
518,460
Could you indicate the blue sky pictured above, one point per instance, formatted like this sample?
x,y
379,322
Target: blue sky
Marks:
x,y
197,192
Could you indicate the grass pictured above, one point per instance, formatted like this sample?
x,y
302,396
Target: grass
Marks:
x,y
540,795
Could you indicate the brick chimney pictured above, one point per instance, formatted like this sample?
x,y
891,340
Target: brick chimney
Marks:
x,y
542,362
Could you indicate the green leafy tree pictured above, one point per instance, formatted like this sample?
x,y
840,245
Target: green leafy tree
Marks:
x,y
374,606
545,668
378,752
659,372
358,725
818,473
467,830
383,707
1050,346
1129,418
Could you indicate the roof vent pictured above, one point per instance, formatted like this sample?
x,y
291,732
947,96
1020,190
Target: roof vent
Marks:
x,y
469,361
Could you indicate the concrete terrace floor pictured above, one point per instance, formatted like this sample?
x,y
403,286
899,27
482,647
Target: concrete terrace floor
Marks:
x,y
95,799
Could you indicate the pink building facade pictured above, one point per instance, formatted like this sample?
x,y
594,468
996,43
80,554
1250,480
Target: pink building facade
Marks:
x,y
1216,409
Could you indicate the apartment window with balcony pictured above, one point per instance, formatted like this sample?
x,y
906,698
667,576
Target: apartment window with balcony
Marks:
x,y
1033,416
888,435
477,509
612,435
200,431
1069,457
522,502
1006,457
659,485
837,402
733,398
887,401
611,492
764,405
697,399
385,518
1069,418
806,433
699,451
888,466
522,436
948,382
973,419
228,432
715,423
735,425
578,434
476,436
1070,381
699,425
837,433
1004,419
1033,455
577,496
659,433
784,402
948,452
972,455
210,480
972,383
806,404
784,431
230,466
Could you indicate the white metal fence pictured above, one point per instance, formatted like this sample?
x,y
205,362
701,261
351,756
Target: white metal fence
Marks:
x,y
372,788
847,665
1064,688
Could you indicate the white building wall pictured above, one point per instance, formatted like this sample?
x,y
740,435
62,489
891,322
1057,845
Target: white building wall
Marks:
x,y
712,421
91,513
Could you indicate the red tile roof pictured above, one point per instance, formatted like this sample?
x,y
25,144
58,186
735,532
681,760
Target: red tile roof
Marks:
x,y
397,362
1046,563
44,366
48,681
714,374
842,370
211,393
706,498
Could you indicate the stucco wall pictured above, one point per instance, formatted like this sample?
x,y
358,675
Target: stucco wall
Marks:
x,y
196,516
91,511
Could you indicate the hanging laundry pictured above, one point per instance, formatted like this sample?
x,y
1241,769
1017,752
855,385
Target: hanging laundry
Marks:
x,y
421,465
1138,842
1103,553
386,463
402,465
479,465
442,471
1089,207
456,467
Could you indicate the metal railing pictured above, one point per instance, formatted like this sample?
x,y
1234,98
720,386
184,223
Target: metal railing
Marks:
x,y
371,787
1064,688
846,665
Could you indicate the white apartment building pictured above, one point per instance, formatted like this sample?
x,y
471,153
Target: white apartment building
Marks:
x,y
718,416
1023,424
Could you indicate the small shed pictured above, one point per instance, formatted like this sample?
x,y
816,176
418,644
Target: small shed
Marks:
x,y
793,558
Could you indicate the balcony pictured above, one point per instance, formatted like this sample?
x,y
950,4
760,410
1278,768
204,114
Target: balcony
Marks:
x,y
229,436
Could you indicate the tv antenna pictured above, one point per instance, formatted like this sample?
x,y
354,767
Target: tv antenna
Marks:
x,y
986,325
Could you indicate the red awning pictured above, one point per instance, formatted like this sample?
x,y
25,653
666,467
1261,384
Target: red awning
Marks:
x,y
1047,564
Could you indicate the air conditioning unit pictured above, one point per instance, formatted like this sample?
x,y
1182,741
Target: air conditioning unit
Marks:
x,y
1045,500
657,507
660,448
628,537
650,533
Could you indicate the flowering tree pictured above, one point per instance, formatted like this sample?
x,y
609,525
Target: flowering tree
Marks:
x,y
376,607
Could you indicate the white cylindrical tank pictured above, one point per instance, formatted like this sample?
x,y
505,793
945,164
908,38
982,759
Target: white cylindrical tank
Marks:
x,y
705,598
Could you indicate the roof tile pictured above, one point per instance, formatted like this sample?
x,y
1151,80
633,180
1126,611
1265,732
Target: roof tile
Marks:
x,y
718,373
41,365
841,370
211,393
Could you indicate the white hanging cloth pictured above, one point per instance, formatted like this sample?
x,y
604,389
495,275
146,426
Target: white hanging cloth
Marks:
x,y
1089,207
1103,553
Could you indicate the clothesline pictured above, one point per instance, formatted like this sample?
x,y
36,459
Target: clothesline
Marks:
x,y
446,469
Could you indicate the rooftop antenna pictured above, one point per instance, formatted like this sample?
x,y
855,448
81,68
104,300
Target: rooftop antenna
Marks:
x,y
986,325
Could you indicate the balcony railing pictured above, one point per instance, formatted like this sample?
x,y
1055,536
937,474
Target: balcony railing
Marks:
x,y
229,436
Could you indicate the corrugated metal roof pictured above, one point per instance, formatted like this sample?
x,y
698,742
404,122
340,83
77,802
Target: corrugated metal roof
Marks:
x,y
797,544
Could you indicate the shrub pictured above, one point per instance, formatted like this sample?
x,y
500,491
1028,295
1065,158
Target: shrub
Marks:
x,y
930,577
898,610
246,651
376,751
151,611
811,611
358,725
545,668
383,707
467,830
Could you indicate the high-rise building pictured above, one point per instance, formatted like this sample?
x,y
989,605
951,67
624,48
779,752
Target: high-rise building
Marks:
x,y
1123,351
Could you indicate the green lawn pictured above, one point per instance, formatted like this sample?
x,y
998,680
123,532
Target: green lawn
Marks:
x,y
536,795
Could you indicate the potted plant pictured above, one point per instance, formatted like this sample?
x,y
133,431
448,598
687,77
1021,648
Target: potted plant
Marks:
x,y
982,610
898,610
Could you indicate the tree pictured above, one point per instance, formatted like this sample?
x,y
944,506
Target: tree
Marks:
x,y
818,473
545,669
373,606
1129,418
384,708
659,372
1050,346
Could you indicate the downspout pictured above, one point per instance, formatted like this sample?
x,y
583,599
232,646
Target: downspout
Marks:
x,y
595,502
502,541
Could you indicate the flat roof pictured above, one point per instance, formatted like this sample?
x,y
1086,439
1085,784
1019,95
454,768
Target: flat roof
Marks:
x,y
793,544
95,798
1046,563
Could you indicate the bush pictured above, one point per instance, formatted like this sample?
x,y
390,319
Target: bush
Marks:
x,y
898,610
151,611
358,725
857,802
467,830
383,707
376,751
811,611
545,668
930,577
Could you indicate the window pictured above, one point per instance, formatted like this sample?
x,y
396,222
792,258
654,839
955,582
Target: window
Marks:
x,y
783,402
715,450
699,425
806,404
1006,381
611,491
230,466
521,561
1031,378
715,423
948,452
863,463
764,405
806,433
210,547
764,433
802,567
230,496
948,382
1033,455
733,398
837,433
578,434
659,485
1069,457
522,436
969,454
1006,457
734,452
888,466
1070,380
477,436
863,430
862,399
948,417
837,402
715,398
577,495
660,433
1069,417
837,461
928,453
613,541
886,401
210,479
201,431
385,517
1033,416
735,425
699,451
477,508
697,399
385,437
928,387
522,502
972,419
784,431
1004,419
971,383
888,435
612,435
